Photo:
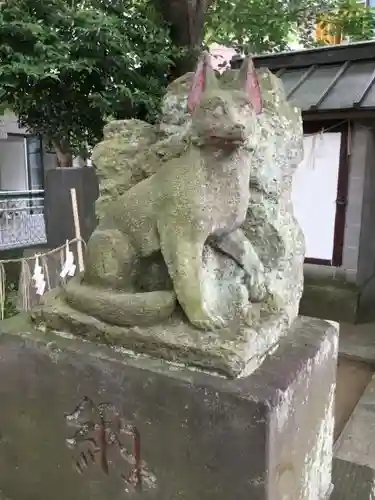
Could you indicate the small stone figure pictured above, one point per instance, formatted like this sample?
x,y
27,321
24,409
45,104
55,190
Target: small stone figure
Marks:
x,y
196,227
201,196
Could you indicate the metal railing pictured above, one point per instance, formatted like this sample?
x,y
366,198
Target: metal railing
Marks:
x,y
22,219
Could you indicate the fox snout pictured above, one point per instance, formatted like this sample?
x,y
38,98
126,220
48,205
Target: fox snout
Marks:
x,y
239,129
235,133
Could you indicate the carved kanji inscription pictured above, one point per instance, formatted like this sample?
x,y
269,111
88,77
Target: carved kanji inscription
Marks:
x,y
99,429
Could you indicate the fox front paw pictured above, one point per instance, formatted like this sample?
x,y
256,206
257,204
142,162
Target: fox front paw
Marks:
x,y
257,286
209,323
203,320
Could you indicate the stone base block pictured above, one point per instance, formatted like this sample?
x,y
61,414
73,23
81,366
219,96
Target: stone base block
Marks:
x,y
352,481
57,201
87,422
233,351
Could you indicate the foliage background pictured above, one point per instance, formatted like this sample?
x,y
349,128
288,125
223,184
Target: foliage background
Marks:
x,y
67,65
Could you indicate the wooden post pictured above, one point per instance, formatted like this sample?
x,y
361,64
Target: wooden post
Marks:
x,y
77,229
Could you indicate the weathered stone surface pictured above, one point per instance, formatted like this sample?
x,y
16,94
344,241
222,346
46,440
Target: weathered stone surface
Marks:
x,y
172,198
357,342
265,437
233,351
356,443
330,299
201,196
352,481
117,161
270,224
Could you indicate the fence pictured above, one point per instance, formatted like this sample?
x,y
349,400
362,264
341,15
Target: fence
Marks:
x,y
21,219
38,272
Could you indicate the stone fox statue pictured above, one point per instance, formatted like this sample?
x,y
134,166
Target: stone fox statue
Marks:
x,y
200,197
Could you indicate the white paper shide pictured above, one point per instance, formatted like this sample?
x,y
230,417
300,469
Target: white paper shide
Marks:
x,y
69,268
38,278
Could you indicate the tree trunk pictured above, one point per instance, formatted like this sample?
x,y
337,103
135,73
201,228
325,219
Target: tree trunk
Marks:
x,y
64,157
186,21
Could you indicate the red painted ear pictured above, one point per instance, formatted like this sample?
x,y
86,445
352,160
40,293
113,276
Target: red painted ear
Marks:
x,y
199,82
251,84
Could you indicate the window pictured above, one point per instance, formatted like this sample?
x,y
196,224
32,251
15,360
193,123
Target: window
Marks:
x,y
13,167
34,151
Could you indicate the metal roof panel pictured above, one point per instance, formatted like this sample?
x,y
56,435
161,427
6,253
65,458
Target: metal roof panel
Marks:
x,y
350,87
329,54
313,88
332,78
331,87
369,100
290,77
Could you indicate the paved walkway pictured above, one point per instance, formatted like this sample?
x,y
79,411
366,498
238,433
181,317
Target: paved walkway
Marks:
x,y
354,464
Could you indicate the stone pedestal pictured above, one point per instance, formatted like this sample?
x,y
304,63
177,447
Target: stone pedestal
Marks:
x,y
195,436
58,212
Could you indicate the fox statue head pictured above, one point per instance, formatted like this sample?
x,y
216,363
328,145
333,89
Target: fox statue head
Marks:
x,y
224,116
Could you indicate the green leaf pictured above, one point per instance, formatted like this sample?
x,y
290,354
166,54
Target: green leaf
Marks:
x,y
66,65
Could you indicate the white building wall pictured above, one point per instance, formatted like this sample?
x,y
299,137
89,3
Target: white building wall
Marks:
x,y
13,171
9,124
315,191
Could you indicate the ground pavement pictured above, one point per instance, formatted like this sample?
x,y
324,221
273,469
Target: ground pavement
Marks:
x,y
354,463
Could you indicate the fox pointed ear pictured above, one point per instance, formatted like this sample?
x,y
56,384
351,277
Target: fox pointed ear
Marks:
x,y
249,82
203,78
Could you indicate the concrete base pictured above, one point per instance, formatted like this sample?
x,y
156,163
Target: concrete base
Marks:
x,y
356,443
334,300
233,351
81,421
332,293
352,481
